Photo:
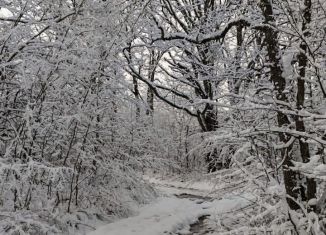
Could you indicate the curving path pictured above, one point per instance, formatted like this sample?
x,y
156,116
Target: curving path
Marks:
x,y
179,212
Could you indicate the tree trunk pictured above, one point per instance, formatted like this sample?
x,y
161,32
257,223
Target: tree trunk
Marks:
x,y
137,96
234,83
279,82
151,77
300,126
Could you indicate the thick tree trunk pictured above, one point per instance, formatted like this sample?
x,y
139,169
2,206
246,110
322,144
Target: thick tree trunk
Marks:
x,y
300,126
211,124
208,118
279,82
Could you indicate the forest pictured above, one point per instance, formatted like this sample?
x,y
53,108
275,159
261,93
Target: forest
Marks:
x,y
103,100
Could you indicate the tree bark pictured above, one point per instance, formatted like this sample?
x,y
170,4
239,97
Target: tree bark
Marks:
x,y
300,126
234,83
151,77
137,96
279,82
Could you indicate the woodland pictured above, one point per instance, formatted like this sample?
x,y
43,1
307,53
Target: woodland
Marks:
x,y
95,94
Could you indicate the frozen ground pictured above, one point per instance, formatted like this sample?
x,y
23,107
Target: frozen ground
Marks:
x,y
180,207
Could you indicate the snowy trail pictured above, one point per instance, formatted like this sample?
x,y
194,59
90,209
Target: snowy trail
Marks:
x,y
166,215
178,212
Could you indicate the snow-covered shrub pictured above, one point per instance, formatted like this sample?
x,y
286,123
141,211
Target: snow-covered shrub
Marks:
x,y
68,151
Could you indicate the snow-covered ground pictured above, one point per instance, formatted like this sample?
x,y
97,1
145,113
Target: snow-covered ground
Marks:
x,y
166,215
172,215
177,186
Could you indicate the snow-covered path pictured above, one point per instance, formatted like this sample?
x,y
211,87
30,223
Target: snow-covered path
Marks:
x,y
166,215
171,214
